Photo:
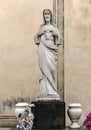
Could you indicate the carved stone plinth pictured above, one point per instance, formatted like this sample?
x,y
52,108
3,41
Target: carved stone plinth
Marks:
x,y
49,114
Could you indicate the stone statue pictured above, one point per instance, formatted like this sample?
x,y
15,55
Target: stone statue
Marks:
x,y
48,38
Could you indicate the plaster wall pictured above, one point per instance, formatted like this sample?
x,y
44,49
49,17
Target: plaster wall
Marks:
x,y
77,54
19,70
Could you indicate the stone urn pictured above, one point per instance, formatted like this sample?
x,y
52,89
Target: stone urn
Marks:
x,y
74,112
23,112
20,108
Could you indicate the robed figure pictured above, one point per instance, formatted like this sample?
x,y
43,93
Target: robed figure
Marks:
x,y
48,38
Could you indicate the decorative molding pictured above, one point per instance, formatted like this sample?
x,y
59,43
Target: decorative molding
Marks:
x,y
8,121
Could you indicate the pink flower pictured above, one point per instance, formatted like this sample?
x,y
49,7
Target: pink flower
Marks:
x,y
88,116
26,125
87,123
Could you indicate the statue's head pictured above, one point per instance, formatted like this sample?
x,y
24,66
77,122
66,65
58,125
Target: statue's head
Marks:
x,y
47,14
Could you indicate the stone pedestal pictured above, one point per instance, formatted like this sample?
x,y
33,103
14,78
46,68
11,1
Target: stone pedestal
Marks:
x,y
49,114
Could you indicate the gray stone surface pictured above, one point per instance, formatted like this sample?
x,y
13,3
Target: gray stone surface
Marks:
x,y
41,129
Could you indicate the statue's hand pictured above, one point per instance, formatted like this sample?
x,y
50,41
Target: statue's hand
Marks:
x,y
55,34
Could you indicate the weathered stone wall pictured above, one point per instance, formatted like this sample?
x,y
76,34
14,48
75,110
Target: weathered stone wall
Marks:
x,y
77,53
19,70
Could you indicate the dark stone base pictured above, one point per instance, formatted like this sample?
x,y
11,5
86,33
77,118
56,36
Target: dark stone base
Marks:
x,y
49,114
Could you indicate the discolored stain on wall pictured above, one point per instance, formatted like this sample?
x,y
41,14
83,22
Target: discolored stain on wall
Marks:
x,y
9,104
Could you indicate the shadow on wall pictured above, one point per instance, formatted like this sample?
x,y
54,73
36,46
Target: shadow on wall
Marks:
x,y
10,103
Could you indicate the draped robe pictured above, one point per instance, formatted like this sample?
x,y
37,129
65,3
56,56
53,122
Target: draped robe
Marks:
x,y
47,51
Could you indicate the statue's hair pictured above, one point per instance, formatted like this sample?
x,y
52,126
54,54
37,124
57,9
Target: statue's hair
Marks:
x,y
50,15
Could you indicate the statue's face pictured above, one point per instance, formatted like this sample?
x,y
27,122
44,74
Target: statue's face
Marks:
x,y
47,16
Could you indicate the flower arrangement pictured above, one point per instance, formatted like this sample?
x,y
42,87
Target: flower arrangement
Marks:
x,y
87,122
25,119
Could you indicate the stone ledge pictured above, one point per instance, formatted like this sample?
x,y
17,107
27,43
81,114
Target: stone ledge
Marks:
x,y
8,121
67,128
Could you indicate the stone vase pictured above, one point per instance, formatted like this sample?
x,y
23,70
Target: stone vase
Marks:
x,y
20,108
74,112
22,111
